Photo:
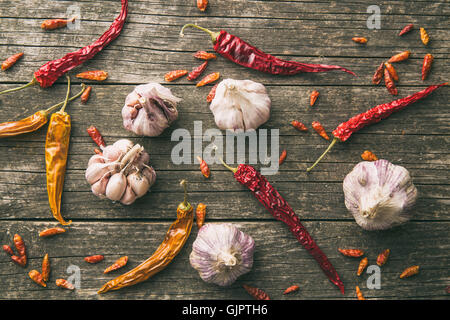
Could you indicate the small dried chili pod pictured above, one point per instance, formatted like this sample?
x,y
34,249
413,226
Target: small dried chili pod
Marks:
x,y
313,97
362,265
96,136
368,156
9,62
21,261
8,249
382,257
361,40
256,293
204,167
200,214
389,82
424,36
426,66
196,72
211,93
63,283
202,4
317,126
410,271
351,252
122,261
51,232
203,55
86,94
98,151
37,277
299,126
406,29
391,70
359,294
173,75
45,272
94,259
208,79
400,56
56,23
98,75
282,157
20,245
291,289
378,75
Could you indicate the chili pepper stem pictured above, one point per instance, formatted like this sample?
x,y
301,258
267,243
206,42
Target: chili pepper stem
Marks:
x,y
83,87
212,34
29,84
227,166
67,95
185,205
323,154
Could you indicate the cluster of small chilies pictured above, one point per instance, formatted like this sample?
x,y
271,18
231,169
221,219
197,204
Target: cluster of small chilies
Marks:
x,y
236,50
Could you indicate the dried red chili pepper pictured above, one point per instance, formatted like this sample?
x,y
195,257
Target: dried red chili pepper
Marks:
x,y
351,252
45,272
203,55
362,265
368,156
299,126
56,23
389,82
8,249
237,50
313,97
426,66
96,136
51,232
52,70
212,93
97,75
282,157
424,36
359,294
202,4
317,126
196,72
378,75
382,257
121,262
86,94
37,277
9,62
200,214
391,70
402,56
20,246
256,293
361,40
204,167
280,209
208,79
63,283
175,74
408,272
94,259
373,115
291,289
21,261
406,29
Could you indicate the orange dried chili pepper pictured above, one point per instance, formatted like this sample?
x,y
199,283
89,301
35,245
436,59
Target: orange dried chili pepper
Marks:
x,y
313,97
378,75
98,75
410,271
202,4
317,126
196,72
98,151
9,62
51,232
282,157
56,23
86,94
8,249
361,40
94,259
121,262
359,294
203,55
45,272
96,136
173,75
63,283
369,156
204,167
208,79
299,126
382,257
291,289
21,261
37,277
20,246
400,56
200,214
212,93
351,252
406,29
391,70
426,66
173,242
389,83
362,265
424,36
256,293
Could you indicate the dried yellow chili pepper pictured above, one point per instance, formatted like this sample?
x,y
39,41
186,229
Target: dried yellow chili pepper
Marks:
x,y
173,242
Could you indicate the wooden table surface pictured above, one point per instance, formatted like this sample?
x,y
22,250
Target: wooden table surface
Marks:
x,y
149,46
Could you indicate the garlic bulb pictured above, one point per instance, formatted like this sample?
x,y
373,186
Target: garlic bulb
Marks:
x,y
221,253
378,194
240,105
149,109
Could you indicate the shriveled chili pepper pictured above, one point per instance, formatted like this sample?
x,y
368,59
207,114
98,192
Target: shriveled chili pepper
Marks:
x,y
45,272
373,115
96,136
196,72
291,289
299,126
200,214
86,94
424,36
282,157
21,261
98,151
173,242
256,293
9,62
204,167
378,75
361,40
237,50
202,4
121,262
63,283
94,259
382,257
351,252
359,294
313,97
362,265
317,126
426,66
175,74
391,70
410,271
281,210
47,74
31,123
406,29
208,79
8,250
20,246
369,156
203,55
212,93
402,56
51,232
389,83
98,75
37,277
53,24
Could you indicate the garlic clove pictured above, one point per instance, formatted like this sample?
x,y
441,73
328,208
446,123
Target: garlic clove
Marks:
x,y
99,188
128,197
116,186
112,153
138,183
96,158
95,172
150,174
123,145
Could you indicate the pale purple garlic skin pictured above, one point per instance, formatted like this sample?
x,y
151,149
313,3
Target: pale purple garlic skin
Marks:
x,y
379,194
149,109
221,253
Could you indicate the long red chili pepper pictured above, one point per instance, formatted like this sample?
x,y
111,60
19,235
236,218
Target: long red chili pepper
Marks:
x,y
280,209
52,70
374,115
244,54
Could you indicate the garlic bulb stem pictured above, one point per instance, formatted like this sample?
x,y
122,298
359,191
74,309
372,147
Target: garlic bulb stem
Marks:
x,y
130,155
227,258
